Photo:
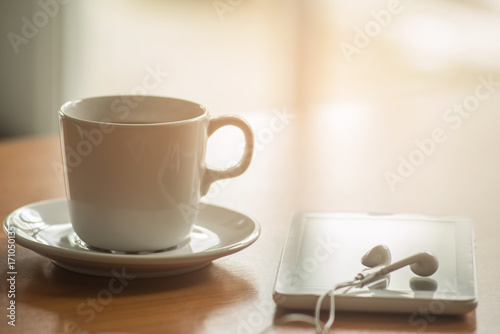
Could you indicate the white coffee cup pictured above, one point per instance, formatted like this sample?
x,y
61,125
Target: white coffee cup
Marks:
x,y
135,168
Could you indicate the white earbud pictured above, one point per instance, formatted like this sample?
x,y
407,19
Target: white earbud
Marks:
x,y
422,264
378,258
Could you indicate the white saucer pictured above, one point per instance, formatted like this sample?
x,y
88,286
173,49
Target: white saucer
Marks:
x,y
45,228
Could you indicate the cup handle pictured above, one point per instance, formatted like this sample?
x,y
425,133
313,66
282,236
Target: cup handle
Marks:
x,y
212,175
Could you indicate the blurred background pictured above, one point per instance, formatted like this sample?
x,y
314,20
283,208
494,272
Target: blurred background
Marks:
x,y
237,56
398,65
230,56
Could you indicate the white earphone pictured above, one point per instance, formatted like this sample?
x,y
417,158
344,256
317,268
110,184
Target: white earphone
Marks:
x,y
378,263
378,259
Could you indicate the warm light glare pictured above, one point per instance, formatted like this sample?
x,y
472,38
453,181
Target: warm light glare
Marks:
x,y
346,119
431,42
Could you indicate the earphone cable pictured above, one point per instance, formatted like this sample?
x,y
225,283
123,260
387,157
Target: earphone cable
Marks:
x,y
323,329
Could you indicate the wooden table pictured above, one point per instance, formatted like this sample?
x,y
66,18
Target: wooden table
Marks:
x,y
335,159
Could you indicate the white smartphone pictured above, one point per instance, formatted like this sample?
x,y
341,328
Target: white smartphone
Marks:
x,y
323,249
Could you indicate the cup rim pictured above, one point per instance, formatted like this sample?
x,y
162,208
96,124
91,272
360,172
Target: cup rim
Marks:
x,y
70,103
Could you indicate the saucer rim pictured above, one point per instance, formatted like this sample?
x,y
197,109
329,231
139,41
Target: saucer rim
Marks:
x,y
51,251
